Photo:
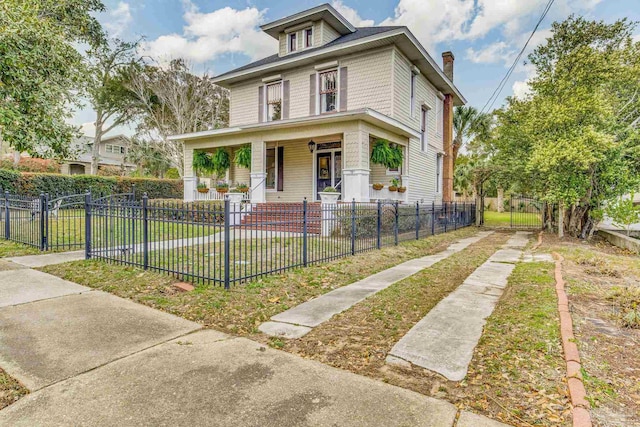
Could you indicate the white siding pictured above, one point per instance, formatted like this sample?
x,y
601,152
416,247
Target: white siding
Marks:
x,y
328,33
298,179
243,103
369,85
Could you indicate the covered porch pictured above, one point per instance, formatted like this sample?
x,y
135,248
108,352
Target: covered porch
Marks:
x,y
292,163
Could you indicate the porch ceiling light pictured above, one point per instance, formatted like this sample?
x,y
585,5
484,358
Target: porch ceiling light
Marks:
x,y
312,146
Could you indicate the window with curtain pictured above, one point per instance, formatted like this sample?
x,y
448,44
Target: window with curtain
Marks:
x,y
274,101
328,91
293,42
308,37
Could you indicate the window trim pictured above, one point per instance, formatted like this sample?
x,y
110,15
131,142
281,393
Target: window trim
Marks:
x,y
439,168
292,36
276,149
318,95
306,33
121,149
412,93
440,115
424,128
266,99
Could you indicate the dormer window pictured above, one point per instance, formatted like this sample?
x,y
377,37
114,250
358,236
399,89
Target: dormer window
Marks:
x,y
328,91
274,101
293,42
308,37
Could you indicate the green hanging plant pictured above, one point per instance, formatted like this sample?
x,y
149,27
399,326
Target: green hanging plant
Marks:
x,y
202,162
386,155
243,157
221,161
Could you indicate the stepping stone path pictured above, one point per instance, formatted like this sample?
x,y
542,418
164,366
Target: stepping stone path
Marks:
x,y
299,321
444,340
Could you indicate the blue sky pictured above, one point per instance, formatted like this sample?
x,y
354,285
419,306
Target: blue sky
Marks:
x,y
485,35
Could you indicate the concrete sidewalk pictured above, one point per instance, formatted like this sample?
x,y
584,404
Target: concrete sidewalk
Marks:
x,y
90,358
299,320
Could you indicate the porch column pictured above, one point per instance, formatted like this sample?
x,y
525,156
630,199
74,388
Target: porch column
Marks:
x,y
258,173
355,175
189,178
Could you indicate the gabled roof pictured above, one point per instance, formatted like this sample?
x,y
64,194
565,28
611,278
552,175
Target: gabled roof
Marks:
x,y
325,12
359,33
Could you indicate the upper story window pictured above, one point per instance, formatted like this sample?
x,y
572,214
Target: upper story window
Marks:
x,y
414,77
274,101
424,116
114,149
439,163
308,37
293,42
328,91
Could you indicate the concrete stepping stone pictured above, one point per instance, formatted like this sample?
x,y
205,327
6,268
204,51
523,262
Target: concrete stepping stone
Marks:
x,y
443,341
25,285
35,261
318,310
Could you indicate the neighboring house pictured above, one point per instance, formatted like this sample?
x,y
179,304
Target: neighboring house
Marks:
x,y
112,153
312,112
607,223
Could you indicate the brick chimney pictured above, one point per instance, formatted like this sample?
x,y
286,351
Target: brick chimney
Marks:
x,y
447,64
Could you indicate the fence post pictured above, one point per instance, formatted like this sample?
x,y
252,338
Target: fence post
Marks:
x,y
395,225
379,226
353,227
133,192
304,233
446,216
7,216
43,219
511,211
433,218
87,225
145,230
417,220
455,216
227,246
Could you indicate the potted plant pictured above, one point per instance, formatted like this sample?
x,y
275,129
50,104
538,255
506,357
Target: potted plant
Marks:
x,y
222,187
202,188
402,188
242,157
394,184
242,188
220,162
378,186
386,154
329,195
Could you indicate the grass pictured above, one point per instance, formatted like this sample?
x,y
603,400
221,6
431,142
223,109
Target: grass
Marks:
x,y
11,249
10,390
503,219
245,306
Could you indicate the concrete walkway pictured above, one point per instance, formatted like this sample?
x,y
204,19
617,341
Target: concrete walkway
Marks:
x,y
444,340
299,321
90,358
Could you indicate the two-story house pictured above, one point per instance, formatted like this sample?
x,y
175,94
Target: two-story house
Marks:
x,y
312,113
112,153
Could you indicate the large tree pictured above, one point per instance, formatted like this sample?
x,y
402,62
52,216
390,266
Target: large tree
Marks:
x,y
174,100
574,140
111,66
41,69
468,123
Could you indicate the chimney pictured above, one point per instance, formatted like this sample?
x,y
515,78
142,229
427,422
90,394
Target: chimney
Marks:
x,y
447,64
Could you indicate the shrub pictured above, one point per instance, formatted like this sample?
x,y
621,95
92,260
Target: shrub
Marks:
x,y
31,164
203,212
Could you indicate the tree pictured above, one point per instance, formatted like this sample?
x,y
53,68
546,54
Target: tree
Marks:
x,y
148,160
574,141
111,67
623,212
41,70
468,123
174,101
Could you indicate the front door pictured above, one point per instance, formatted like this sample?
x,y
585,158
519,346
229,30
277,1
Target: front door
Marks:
x,y
329,170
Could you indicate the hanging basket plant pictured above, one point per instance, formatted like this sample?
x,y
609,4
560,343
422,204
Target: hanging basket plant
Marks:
x,y
243,157
221,161
202,162
385,154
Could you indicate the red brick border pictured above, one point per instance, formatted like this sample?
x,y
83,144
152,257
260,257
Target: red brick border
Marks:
x,y
577,392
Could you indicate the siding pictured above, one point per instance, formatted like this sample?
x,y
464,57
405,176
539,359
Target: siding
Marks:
x,y
369,83
298,179
238,174
328,33
243,103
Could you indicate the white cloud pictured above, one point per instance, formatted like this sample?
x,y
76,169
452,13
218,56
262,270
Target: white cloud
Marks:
x,y
351,14
88,129
119,19
492,53
209,35
521,89
636,38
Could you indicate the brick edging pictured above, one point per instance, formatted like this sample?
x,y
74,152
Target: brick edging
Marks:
x,y
577,391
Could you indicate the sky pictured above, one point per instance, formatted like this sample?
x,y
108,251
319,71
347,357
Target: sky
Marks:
x,y
485,35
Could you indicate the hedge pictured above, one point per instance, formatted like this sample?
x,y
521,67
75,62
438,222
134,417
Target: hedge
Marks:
x,y
32,184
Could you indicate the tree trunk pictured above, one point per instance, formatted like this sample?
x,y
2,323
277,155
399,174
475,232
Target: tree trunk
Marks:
x,y
95,150
500,199
561,220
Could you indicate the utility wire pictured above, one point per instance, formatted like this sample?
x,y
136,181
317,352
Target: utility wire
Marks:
x,y
496,93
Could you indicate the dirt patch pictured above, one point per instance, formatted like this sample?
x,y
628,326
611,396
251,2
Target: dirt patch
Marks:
x,y
10,389
603,285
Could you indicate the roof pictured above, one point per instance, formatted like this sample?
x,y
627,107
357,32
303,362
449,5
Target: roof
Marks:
x,y
359,33
325,12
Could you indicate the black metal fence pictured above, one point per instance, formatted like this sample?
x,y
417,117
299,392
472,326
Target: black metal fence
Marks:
x,y
526,212
228,242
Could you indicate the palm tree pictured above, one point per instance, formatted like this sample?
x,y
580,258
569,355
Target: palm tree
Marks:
x,y
468,123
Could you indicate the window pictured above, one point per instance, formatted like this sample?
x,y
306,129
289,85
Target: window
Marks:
x,y
114,149
275,168
413,92
293,42
440,116
274,101
308,37
438,173
328,89
423,128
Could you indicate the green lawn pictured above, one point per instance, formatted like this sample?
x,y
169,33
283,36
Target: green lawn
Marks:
x,y
520,219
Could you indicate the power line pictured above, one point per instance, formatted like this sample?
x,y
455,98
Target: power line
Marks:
x,y
496,93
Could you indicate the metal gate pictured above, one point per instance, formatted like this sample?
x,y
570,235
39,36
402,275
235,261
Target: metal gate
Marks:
x,y
526,212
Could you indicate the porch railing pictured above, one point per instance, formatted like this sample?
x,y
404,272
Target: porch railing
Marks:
x,y
385,194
